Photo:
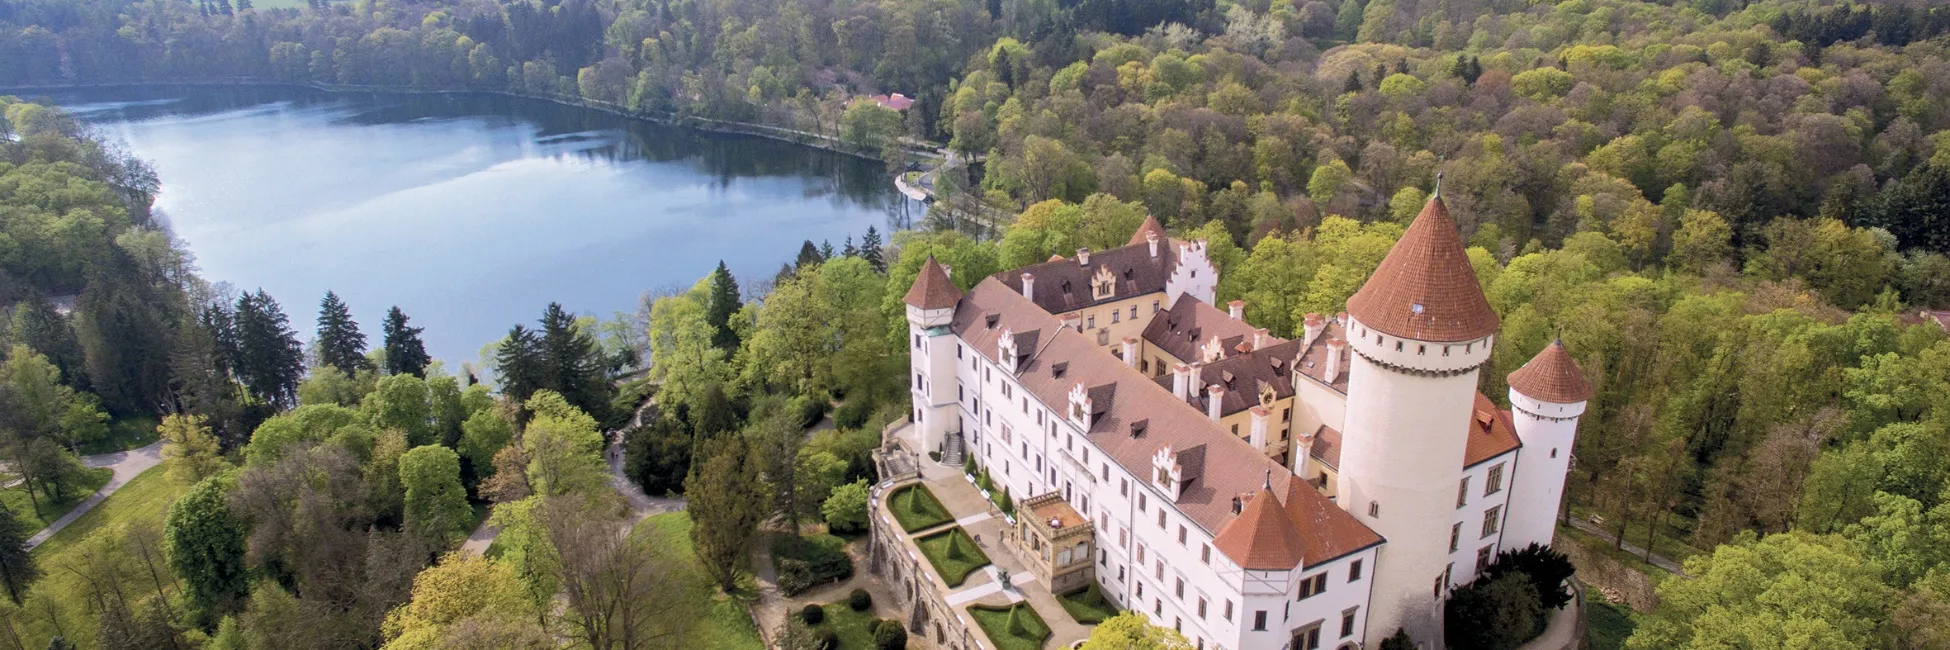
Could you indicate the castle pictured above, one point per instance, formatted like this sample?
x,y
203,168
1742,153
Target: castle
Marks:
x,y
1248,491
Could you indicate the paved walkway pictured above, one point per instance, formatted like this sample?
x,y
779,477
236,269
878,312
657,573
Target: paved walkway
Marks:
x,y
126,464
1563,632
1657,560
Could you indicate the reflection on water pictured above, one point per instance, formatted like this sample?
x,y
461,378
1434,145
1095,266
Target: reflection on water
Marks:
x,y
471,212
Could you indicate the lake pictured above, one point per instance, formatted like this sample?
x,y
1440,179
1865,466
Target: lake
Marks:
x,y
473,212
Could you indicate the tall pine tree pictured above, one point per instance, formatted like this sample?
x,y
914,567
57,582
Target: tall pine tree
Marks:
x,y
724,304
405,353
519,363
572,363
17,567
340,343
871,252
270,361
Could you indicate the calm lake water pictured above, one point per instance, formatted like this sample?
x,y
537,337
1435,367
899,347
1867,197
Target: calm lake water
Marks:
x,y
473,212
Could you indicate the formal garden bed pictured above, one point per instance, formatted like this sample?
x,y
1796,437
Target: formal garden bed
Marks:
x,y
1087,605
809,561
852,625
1011,628
916,508
953,555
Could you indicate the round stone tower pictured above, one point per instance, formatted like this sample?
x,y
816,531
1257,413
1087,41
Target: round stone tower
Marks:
x,y
1547,396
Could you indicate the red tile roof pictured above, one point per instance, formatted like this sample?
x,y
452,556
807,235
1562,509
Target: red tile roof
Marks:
x,y
1064,285
1425,289
1151,225
1552,376
1491,433
932,289
1262,538
1327,446
1190,323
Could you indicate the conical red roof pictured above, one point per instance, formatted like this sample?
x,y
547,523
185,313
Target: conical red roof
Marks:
x,y
1151,225
1262,537
932,289
1425,290
1552,376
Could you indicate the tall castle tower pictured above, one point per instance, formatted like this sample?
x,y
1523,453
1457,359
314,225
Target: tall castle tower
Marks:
x,y
931,353
1420,329
1546,397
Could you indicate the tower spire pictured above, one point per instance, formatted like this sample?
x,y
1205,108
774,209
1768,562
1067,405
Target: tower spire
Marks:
x,y
1438,185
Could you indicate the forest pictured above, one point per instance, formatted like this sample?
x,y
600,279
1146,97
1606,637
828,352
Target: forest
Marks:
x,y
1731,212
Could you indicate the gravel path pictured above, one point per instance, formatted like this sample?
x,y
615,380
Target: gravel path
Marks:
x,y
127,464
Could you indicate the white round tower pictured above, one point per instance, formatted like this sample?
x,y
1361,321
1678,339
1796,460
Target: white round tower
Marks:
x,y
1547,395
1419,330
931,353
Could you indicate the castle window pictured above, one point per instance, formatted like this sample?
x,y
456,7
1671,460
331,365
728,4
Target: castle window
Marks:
x,y
1354,571
917,341
1090,322
1205,554
1421,349
1347,622
1553,452
1133,312
1154,307
1259,621
1227,615
1462,492
1483,557
1374,509
1490,518
1161,519
1181,534
1455,536
1398,346
1495,483
957,350
1178,590
1201,607
1116,316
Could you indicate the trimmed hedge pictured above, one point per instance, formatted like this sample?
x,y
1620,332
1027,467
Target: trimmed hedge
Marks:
x,y
859,600
805,562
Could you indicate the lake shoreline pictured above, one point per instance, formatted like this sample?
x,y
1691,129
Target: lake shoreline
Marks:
x,y
729,127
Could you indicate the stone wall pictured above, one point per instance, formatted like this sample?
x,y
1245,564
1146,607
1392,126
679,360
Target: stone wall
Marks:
x,y
1610,576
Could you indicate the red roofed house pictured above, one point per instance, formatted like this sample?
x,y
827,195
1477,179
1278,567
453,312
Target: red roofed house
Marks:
x,y
1249,491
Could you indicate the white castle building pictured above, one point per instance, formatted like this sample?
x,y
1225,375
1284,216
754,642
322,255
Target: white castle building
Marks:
x,y
1249,491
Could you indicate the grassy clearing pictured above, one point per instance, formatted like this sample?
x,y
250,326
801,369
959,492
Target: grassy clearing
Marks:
x,y
1011,628
916,508
17,501
855,629
1087,605
706,619
1670,541
144,500
953,555
1606,625
1592,542
124,434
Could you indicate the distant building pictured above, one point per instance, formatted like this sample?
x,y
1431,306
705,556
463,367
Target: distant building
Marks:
x,y
895,101
1251,492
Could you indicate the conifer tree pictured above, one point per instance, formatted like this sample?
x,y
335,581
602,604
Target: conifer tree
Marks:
x,y
405,353
270,361
849,250
871,252
808,256
825,250
519,363
724,304
17,567
340,343
571,362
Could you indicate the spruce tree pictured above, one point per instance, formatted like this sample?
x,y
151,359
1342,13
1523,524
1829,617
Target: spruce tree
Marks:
x,y
340,343
17,567
405,353
871,252
270,361
849,250
825,250
808,256
571,362
724,304
519,364
1353,84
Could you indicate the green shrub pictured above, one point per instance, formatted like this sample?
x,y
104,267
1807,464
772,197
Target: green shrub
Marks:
x,y
812,614
809,410
804,562
853,414
934,456
846,509
859,600
889,635
1492,614
828,639
968,466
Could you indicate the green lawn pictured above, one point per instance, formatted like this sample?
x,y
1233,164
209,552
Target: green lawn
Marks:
x,y
1028,633
706,619
855,629
916,508
1606,625
953,555
16,500
124,434
143,502
145,499
1087,605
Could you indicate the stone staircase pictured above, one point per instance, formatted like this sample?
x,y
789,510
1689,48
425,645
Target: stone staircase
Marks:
x,y
954,450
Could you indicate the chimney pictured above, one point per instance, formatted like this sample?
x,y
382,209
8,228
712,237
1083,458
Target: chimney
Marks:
x,y
1073,321
1315,324
1335,348
1083,257
1303,451
1237,309
1181,381
1192,377
1130,351
1215,401
1261,418
1342,319
1151,238
1029,286
1259,338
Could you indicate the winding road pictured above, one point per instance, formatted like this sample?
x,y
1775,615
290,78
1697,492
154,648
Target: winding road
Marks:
x,y
126,464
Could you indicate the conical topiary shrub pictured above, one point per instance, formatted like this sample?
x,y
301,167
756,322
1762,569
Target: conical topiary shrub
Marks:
x,y
954,548
1015,627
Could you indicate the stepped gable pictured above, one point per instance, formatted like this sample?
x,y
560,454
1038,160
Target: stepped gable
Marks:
x,y
1190,323
932,289
1552,376
1491,433
1134,417
1151,226
1063,285
1426,290
1262,537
